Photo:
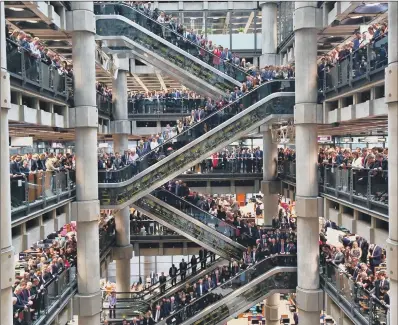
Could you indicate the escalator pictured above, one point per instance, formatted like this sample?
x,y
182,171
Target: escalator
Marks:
x,y
273,100
198,226
122,28
276,274
131,304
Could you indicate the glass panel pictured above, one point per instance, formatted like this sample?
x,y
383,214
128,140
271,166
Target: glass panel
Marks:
x,y
196,213
164,106
379,186
282,105
187,39
104,104
281,280
201,235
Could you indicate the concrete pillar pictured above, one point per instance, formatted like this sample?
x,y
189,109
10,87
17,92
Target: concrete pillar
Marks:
x,y
272,309
84,118
391,90
269,11
122,253
309,296
269,185
7,253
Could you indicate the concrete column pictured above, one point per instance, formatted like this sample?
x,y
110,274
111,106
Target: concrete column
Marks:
x,y
309,296
7,253
391,90
269,185
269,11
84,118
120,128
272,309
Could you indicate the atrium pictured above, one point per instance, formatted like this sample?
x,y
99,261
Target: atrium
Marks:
x,y
199,162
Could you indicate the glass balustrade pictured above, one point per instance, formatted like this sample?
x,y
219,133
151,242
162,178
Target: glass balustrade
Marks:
x,y
34,72
275,105
104,105
198,214
361,64
168,33
198,233
33,192
365,187
279,281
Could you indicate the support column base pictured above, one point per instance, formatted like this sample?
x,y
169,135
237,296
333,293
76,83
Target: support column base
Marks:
x,y
85,211
87,305
309,300
309,207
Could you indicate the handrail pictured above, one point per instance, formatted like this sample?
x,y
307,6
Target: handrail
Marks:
x,y
177,35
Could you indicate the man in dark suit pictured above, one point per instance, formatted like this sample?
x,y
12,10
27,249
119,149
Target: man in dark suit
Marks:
x,y
200,289
381,285
209,284
157,314
162,282
375,256
183,269
173,275
201,258
255,256
194,263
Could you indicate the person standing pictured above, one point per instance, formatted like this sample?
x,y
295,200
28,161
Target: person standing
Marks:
x,y
112,304
194,263
183,269
173,275
162,282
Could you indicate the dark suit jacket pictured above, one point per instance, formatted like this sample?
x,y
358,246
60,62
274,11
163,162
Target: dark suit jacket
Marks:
x,y
379,287
204,290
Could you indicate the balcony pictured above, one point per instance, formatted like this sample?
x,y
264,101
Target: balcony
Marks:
x,y
364,189
360,68
39,192
35,75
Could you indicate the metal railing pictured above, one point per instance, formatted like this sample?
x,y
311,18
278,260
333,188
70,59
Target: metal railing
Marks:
x,y
34,72
104,105
366,187
353,298
361,64
35,191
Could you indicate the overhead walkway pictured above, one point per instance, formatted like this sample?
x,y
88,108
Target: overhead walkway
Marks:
x,y
192,222
122,28
276,274
130,304
271,101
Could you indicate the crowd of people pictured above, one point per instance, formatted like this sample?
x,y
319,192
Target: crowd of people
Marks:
x,y
37,269
36,51
357,47
33,163
363,263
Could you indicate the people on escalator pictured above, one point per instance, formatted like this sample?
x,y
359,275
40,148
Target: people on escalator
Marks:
x,y
194,263
162,282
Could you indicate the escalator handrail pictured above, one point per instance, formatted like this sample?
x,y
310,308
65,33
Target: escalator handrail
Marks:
x,y
230,281
196,207
206,119
177,35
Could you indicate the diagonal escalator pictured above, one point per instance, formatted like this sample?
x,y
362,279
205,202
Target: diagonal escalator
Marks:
x,y
271,101
276,274
123,28
193,223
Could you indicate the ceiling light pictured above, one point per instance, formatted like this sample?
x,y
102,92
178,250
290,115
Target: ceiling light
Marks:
x,y
16,9
356,17
32,21
372,4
